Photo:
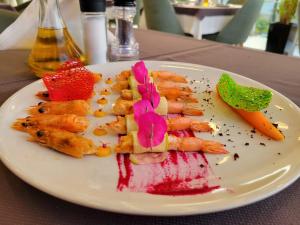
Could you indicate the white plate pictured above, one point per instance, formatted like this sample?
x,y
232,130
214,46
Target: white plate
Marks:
x,y
258,173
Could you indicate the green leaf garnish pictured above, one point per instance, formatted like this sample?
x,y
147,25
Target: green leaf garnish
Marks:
x,y
242,97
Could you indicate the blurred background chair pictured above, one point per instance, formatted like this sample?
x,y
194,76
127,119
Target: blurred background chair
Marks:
x,y
7,17
139,9
160,15
238,29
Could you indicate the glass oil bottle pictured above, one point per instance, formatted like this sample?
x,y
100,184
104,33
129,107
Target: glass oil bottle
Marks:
x,y
54,44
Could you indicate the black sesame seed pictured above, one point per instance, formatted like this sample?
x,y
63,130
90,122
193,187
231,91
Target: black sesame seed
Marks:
x,y
247,144
275,125
263,144
220,134
45,94
201,165
253,131
40,103
236,156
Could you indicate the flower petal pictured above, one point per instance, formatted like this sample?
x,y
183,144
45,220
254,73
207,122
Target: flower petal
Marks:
x,y
140,72
152,129
141,107
148,92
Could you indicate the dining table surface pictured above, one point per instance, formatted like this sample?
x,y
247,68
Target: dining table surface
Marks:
x,y
22,204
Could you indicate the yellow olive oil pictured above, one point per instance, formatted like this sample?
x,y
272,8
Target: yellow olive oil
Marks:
x,y
52,47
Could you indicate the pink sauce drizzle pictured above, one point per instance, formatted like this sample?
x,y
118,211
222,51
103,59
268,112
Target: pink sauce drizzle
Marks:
x,y
182,173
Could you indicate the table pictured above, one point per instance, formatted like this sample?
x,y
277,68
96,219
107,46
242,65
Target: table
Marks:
x,y
24,205
199,20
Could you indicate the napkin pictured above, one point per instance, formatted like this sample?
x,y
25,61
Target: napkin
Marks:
x,y
21,34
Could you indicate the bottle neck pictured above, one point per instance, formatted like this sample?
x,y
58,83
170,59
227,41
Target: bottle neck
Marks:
x,y
49,15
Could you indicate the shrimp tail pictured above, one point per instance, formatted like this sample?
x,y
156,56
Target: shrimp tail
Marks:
x,y
192,109
200,126
213,147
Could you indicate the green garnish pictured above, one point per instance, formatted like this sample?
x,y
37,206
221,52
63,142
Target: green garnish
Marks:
x,y
242,97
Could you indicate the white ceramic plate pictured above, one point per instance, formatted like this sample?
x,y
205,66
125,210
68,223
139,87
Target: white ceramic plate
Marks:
x,y
261,171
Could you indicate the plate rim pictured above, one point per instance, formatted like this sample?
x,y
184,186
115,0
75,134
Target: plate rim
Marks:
x,y
122,210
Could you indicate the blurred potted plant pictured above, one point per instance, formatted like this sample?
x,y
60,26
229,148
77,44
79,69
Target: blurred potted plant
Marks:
x,y
279,32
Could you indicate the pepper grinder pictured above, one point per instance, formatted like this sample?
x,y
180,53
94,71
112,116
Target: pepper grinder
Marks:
x,y
93,19
124,46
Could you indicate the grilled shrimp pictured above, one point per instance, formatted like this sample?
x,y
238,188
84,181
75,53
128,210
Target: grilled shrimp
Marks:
x,y
62,141
173,85
68,122
186,144
177,123
184,123
192,144
124,84
124,107
77,107
191,109
167,75
170,94
157,75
